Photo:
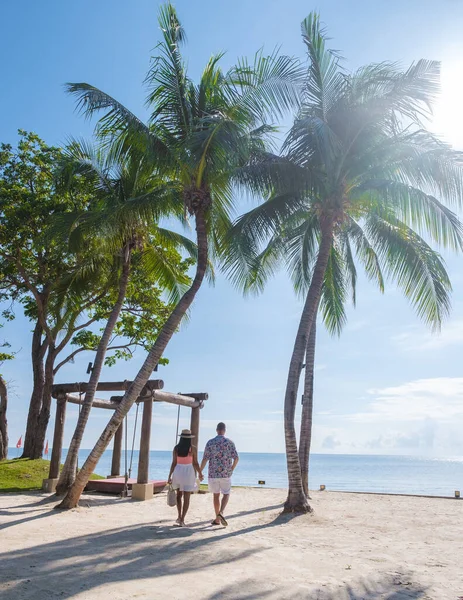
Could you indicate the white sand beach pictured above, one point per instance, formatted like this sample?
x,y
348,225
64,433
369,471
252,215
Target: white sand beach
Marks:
x,y
352,546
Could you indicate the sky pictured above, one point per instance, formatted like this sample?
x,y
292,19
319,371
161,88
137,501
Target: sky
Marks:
x,y
387,385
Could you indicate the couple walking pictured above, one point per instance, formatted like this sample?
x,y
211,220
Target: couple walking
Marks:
x,y
222,456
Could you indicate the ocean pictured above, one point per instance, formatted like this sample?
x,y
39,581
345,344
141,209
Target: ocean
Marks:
x,y
359,473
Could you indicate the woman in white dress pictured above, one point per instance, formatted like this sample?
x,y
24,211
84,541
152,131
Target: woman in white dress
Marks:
x,y
182,475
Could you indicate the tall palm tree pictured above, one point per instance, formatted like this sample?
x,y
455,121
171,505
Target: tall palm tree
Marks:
x,y
366,181
116,230
200,137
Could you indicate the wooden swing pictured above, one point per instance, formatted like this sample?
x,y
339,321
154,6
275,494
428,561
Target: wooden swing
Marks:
x,y
142,488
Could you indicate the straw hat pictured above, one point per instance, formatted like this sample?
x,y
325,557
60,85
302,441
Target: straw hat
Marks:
x,y
186,433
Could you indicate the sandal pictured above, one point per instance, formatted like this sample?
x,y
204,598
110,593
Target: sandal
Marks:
x,y
214,522
223,520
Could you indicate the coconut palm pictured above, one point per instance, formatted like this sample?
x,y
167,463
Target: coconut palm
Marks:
x,y
366,178
199,139
116,227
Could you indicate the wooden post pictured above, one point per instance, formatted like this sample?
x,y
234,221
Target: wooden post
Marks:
x,y
117,451
194,427
57,438
145,436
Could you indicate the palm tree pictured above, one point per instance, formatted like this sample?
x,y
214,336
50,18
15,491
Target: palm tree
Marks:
x,y
200,137
117,231
366,177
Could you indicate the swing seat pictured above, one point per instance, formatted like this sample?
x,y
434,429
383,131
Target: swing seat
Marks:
x,y
115,485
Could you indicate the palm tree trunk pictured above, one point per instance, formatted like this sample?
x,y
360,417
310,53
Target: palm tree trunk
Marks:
x,y
68,473
305,437
297,500
38,369
3,421
72,497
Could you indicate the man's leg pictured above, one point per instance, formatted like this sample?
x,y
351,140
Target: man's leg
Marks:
x,y
216,505
224,503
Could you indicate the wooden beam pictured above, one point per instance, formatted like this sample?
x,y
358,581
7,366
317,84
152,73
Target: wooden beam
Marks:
x,y
104,386
157,396
194,427
117,451
196,395
57,447
97,402
145,437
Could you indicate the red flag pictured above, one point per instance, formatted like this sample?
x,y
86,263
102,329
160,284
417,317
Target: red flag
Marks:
x,y
46,449
20,442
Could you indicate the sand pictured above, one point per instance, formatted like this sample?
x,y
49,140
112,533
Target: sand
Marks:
x,y
352,546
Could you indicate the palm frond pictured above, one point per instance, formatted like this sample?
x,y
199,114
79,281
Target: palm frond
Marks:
x,y
334,293
410,262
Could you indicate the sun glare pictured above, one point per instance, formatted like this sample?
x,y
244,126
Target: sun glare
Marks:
x,y
448,112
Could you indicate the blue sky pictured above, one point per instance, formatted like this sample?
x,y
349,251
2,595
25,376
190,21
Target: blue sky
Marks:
x,y
387,385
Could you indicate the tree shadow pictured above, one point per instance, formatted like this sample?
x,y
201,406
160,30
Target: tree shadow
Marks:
x,y
65,568
150,550
118,555
41,505
389,587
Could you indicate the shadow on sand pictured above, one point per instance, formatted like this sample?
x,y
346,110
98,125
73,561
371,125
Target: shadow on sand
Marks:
x,y
386,588
66,568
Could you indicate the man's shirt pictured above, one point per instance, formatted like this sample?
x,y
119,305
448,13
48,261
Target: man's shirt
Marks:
x,y
220,452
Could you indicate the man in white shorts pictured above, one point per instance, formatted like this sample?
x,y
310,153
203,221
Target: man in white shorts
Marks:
x,y
223,458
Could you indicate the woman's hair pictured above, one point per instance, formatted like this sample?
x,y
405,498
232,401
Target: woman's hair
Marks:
x,y
183,446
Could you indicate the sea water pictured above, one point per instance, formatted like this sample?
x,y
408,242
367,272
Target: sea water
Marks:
x,y
360,473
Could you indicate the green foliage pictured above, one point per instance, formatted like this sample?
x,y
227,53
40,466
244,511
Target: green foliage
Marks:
x,y
358,157
33,264
143,314
28,197
201,138
23,475
72,212
5,355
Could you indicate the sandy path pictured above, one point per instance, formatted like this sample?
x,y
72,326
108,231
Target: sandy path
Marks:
x,y
353,546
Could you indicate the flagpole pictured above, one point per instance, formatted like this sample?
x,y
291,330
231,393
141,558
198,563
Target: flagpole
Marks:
x,y
19,445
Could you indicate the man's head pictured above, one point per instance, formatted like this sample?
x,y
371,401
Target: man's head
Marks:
x,y
221,428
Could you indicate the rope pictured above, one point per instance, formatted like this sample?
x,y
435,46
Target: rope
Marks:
x,y
128,467
126,476
178,419
133,439
80,408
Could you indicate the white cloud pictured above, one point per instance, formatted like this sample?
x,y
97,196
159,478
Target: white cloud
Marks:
x,y
439,398
415,339
356,325
330,442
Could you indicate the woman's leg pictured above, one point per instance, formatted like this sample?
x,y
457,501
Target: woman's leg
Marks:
x,y
179,505
186,505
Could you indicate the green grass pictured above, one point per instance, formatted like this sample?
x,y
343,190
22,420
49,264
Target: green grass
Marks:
x,y
23,474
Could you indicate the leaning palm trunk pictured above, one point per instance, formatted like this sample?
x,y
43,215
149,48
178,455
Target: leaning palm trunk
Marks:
x,y
297,499
72,498
305,437
3,421
68,473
